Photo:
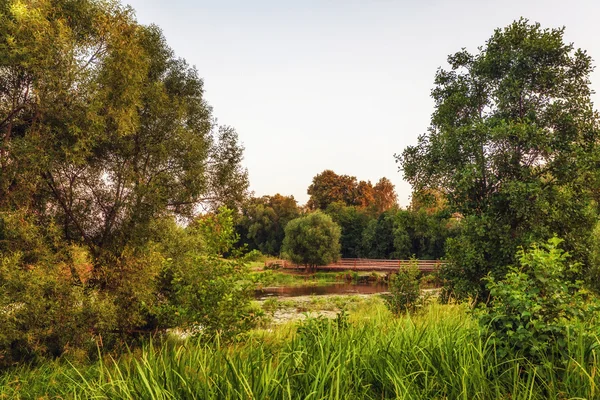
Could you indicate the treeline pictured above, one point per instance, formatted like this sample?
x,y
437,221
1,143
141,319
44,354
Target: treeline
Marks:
x,y
371,222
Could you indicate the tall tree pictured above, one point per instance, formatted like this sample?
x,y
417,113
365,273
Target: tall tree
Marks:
x,y
384,195
329,187
513,142
104,134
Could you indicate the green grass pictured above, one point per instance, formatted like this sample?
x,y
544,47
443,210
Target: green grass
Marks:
x,y
278,279
439,354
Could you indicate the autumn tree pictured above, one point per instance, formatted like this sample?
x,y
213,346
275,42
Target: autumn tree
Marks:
x,y
512,144
385,196
329,187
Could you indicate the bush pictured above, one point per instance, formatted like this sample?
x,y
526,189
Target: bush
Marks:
x,y
405,294
253,256
533,309
47,307
312,240
206,293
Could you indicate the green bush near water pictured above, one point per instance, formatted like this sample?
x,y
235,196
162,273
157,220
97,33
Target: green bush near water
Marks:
x,y
405,292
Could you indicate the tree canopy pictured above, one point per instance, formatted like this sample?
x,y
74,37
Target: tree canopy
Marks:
x,y
329,187
263,221
103,128
513,146
312,240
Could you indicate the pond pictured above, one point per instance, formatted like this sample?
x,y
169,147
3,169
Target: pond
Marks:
x,y
321,290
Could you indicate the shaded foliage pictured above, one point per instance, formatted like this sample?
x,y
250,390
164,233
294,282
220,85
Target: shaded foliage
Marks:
x,y
105,140
262,223
538,305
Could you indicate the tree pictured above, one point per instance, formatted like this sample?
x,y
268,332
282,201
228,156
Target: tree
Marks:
x,y
312,240
264,220
126,132
432,201
512,143
378,237
385,196
329,187
364,194
104,134
352,221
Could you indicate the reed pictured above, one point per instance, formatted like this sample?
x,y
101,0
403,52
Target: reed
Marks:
x,y
438,354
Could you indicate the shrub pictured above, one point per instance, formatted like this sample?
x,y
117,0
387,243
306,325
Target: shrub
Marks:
x,y
207,293
47,305
404,289
253,256
532,310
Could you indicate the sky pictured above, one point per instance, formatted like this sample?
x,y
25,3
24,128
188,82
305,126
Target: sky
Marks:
x,y
344,85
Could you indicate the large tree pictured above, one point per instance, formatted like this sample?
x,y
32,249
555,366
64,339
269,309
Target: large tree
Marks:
x,y
103,128
512,143
329,187
104,135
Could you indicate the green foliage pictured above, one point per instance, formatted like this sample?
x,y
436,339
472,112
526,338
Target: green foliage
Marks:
x,y
206,293
312,240
512,144
378,237
254,256
263,221
42,313
403,234
404,287
593,279
537,305
352,221
434,355
87,226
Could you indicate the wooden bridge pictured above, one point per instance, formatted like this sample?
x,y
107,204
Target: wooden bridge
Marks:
x,y
362,264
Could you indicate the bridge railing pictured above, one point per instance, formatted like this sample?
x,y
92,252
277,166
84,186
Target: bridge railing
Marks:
x,y
362,264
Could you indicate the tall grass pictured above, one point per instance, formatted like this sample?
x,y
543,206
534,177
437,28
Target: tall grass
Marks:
x,y
437,355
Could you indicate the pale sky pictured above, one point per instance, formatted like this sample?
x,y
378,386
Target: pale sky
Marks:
x,y
311,85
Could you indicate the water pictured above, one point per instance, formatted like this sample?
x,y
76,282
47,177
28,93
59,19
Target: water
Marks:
x,y
337,288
